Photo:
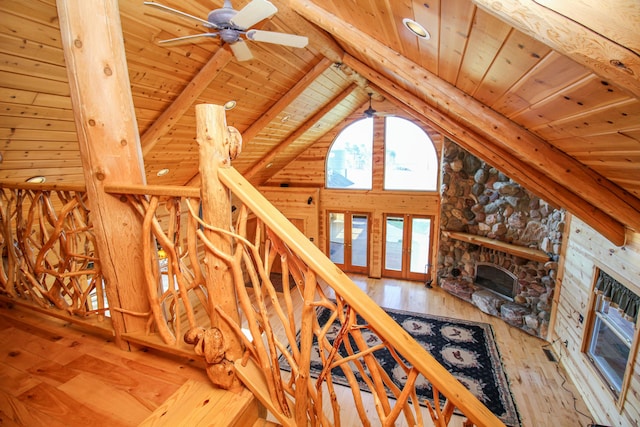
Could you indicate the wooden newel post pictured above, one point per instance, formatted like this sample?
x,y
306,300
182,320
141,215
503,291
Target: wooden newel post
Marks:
x,y
215,141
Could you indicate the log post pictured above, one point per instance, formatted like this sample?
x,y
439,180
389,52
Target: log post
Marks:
x,y
215,142
109,148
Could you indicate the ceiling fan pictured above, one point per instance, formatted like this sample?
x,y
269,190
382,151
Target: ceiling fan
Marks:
x,y
230,25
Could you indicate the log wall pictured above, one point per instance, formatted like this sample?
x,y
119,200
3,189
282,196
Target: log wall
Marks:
x,y
585,252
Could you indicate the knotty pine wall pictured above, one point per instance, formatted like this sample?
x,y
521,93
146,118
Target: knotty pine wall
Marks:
x,y
586,250
308,171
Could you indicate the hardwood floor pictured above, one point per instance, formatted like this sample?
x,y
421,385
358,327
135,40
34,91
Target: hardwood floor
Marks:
x,y
542,395
55,374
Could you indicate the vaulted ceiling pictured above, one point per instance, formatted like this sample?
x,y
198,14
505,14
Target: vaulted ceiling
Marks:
x,y
547,91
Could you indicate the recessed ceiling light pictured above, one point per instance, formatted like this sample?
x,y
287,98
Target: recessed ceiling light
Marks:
x,y
416,28
269,165
163,172
285,118
230,105
37,179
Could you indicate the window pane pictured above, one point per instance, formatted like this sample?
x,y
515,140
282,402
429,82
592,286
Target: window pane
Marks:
x,y
393,247
411,162
359,240
336,239
420,233
349,163
609,353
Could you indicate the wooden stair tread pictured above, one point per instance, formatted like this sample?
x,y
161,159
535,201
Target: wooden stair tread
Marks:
x,y
198,403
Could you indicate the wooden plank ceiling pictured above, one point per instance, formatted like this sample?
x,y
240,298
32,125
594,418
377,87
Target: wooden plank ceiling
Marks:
x,y
549,94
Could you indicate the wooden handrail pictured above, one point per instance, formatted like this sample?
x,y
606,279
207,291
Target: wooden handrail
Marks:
x,y
376,317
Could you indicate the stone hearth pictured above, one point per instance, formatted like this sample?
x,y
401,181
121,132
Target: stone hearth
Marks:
x,y
479,200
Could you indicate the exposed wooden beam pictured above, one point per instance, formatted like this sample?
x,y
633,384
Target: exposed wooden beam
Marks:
x,y
300,131
480,119
109,148
187,97
284,102
539,183
610,60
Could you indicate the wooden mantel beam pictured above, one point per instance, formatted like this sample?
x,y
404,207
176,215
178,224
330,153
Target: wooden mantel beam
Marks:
x,y
539,183
183,102
573,36
471,114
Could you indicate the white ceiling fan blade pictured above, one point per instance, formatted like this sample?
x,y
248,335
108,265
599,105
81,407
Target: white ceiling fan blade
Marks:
x,y
162,7
186,39
241,51
277,38
253,13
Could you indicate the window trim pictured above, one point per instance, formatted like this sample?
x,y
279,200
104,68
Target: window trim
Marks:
x,y
588,331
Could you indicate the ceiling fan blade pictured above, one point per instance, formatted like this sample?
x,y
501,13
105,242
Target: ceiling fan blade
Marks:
x,y
241,51
186,39
277,38
253,13
162,7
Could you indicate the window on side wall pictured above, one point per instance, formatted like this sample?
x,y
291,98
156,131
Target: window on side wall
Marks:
x,y
612,331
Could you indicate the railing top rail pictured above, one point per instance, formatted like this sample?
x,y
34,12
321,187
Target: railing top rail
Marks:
x,y
154,190
415,354
13,185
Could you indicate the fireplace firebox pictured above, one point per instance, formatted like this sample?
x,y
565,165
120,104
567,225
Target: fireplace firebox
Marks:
x,y
496,279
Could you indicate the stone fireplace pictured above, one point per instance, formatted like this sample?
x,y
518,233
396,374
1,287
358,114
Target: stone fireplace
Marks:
x,y
499,243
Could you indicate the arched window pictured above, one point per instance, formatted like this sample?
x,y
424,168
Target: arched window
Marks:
x,y
411,161
349,160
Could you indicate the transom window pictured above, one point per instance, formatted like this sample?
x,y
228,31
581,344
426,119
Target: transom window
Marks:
x,y
411,161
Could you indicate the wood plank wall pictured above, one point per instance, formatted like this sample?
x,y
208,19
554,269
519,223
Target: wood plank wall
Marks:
x,y
586,251
308,170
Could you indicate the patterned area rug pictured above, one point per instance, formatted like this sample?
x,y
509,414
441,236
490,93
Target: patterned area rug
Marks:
x,y
467,349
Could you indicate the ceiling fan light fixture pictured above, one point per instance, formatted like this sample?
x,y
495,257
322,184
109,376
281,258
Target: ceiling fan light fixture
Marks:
x,y
369,112
416,28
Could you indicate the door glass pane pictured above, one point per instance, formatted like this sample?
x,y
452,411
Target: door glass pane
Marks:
x,y
336,237
420,233
393,243
359,240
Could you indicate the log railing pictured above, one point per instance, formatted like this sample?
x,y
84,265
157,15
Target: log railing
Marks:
x,y
48,252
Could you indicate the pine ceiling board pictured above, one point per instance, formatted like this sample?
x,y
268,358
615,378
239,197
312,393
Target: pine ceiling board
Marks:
x,y
620,25
23,48
487,36
588,94
456,18
427,14
53,100
610,119
34,145
37,163
603,142
30,30
15,96
32,111
518,56
553,73
50,155
34,84
33,68
30,123
42,13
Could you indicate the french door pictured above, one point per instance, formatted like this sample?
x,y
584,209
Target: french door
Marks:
x,y
349,241
407,246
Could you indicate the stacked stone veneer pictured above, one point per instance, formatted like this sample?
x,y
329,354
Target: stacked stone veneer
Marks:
x,y
480,200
